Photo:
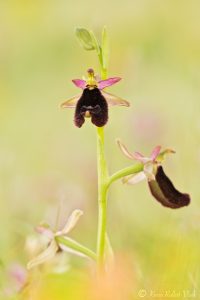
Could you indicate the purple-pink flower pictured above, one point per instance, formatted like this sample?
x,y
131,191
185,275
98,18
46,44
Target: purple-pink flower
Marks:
x,y
93,102
160,185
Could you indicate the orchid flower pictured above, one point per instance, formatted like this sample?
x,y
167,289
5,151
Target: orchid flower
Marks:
x,y
93,102
160,185
55,244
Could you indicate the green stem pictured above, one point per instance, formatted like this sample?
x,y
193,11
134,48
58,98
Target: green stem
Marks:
x,y
102,184
77,247
102,197
103,70
104,181
125,172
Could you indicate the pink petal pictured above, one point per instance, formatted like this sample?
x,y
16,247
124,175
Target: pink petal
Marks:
x,y
102,84
80,83
155,152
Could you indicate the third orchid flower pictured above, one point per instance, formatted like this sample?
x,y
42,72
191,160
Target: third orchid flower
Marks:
x,y
93,102
59,241
160,185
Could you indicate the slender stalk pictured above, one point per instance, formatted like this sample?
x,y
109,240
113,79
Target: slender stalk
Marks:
x,y
77,247
102,197
125,172
102,172
104,181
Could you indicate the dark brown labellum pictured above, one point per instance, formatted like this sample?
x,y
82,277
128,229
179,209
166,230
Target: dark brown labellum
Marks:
x,y
164,191
92,103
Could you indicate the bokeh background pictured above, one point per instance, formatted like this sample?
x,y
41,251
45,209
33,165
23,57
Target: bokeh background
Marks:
x,y
46,163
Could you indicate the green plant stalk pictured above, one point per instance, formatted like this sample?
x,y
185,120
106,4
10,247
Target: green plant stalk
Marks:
x,y
102,197
104,180
70,243
102,172
125,172
103,69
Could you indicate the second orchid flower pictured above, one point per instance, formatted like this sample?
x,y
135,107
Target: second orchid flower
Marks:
x,y
160,185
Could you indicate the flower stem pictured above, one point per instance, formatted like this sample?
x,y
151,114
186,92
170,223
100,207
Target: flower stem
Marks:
x,y
75,246
104,182
102,197
125,172
102,172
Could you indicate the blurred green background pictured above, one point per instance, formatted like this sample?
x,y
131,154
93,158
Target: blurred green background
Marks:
x,y
46,160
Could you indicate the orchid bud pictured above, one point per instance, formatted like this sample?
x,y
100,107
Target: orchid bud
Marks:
x,y
85,38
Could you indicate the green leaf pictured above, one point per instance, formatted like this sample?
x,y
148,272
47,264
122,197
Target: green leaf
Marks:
x,y
85,38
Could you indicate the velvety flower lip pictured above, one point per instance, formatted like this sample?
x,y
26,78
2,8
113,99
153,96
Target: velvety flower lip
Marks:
x,y
93,102
160,185
164,191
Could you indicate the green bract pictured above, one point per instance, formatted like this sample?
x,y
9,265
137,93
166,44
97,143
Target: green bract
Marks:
x,y
86,39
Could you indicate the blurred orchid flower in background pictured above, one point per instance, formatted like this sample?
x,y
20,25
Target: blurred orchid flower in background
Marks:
x,y
160,185
54,245
17,278
93,102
